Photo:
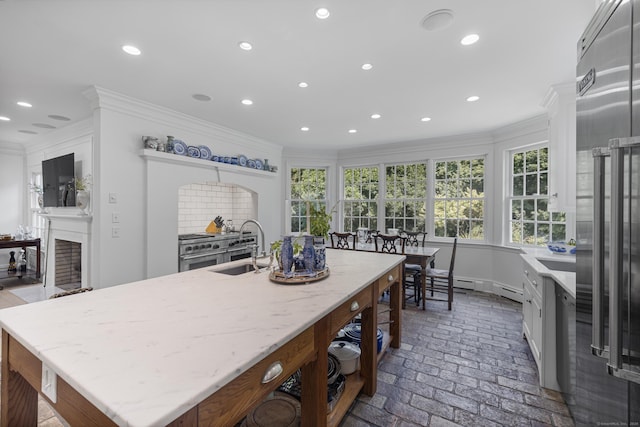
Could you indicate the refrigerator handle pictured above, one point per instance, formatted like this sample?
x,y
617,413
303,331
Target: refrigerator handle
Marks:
x,y
615,366
597,260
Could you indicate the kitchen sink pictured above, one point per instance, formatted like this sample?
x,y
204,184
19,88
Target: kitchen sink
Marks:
x,y
569,267
237,269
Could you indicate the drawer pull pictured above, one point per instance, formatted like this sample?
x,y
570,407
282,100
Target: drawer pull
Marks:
x,y
534,283
390,278
526,272
355,306
272,372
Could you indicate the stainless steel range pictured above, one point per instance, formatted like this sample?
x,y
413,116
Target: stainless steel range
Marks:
x,y
203,250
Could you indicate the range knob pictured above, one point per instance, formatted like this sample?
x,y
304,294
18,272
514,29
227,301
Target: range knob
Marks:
x,y
207,246
215,247
189,249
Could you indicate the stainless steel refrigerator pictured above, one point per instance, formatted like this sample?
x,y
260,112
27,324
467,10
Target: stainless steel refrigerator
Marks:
x,y
606,372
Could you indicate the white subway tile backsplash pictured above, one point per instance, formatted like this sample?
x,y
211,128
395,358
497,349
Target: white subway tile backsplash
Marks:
x,y
199,204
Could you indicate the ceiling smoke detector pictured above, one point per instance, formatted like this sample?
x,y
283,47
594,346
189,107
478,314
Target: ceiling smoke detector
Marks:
x,y
437,20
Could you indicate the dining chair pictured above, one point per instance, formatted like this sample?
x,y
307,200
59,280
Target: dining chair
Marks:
x,y
342,240
368,235
393,244
442,280
71,292
413,272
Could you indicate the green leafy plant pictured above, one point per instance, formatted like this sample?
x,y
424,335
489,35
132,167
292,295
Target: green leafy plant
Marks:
x,y
36,189
276,247
319,220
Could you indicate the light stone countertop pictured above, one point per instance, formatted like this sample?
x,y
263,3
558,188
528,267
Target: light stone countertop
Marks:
x,y
566,279
146,352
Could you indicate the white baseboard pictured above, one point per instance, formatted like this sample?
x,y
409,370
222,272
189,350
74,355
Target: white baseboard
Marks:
x,y
502,289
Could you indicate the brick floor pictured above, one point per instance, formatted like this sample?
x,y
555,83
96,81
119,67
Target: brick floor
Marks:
x,y
466,367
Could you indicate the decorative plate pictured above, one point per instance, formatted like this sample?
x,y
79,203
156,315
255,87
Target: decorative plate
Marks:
x,y
561,248
215,158
193,151
227,160
251,163
179,147
259,164
205,153
242,160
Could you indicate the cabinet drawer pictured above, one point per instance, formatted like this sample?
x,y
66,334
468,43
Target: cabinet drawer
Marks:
x,y
229,404
390,277
533,279
341,315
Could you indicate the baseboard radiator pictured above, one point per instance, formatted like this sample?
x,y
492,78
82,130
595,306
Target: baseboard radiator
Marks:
x,y
502,289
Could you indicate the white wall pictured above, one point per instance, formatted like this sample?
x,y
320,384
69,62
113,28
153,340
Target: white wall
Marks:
x,y
147,190
13,193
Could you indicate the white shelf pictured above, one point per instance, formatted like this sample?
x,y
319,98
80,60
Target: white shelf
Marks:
x,y
160,156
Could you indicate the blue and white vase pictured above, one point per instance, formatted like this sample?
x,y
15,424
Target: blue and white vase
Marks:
x,y
286,254
321,255
308,254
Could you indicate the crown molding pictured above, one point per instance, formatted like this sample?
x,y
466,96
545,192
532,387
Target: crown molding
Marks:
x,y
61,136
12,148
104,98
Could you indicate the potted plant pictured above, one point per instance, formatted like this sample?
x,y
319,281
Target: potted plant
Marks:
x,y
319,221
82,193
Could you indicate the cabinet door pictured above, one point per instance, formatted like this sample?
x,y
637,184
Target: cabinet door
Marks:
x,y
536,326
527,312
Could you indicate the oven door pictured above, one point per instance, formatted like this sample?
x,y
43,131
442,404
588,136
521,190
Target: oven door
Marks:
x,y
191,262
238,253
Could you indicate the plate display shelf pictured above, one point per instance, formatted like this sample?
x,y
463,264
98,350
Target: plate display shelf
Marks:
x,y
151,154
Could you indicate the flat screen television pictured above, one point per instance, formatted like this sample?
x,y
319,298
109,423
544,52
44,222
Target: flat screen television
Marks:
x,y
58,181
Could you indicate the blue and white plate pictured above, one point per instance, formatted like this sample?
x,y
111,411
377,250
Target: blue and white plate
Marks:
x,y
251,163
259,164
193,151
205,152
242,160
179,147
561,248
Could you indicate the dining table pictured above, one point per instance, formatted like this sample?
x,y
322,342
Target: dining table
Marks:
x,y
423,256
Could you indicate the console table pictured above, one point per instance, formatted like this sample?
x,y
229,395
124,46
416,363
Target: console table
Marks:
x,y
5,244
194,348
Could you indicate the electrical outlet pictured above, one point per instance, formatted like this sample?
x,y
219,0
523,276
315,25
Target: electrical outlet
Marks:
x,y
115,231
113,198
115,217
49,383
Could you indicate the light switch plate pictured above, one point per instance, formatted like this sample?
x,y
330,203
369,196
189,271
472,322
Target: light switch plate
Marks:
x,y
49,383
115,217
115,231
113,198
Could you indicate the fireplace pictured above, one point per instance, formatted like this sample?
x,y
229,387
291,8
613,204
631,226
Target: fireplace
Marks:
x,y
68,264
67,251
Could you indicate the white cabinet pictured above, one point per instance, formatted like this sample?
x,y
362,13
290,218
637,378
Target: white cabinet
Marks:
x,y
560,102
538,323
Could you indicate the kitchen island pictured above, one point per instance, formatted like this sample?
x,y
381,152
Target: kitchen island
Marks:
x,y
193,348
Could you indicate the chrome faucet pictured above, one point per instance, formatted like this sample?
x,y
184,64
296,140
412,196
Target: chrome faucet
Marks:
x,y
254,254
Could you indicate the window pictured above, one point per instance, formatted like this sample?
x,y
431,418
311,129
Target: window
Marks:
x,y
459,198
36,222
307,185
530,221
361,189
405,201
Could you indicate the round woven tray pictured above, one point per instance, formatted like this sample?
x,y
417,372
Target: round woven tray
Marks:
x,y
300,278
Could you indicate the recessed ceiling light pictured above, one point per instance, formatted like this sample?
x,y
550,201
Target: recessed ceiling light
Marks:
x,y
4,118
473,98
375,116
24,104
303,84
469,39
353,130
367,67
304,129
131,50
57,117
30,132
43,125
322,13
201,97
247,102
437,20
425,119
245,45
